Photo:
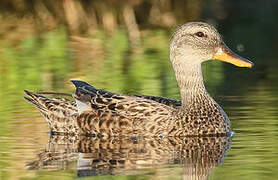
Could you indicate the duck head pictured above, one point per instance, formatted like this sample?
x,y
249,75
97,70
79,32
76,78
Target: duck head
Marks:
x,y
196,42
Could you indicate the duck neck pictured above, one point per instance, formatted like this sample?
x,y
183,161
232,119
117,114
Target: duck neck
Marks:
x,y
190,80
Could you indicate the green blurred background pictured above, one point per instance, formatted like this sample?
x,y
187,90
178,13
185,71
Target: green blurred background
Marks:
x,y
122,46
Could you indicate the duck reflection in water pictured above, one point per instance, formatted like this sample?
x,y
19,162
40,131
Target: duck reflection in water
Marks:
x,y
114,156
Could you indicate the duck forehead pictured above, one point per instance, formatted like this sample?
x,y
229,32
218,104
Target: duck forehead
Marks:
x,y
194,27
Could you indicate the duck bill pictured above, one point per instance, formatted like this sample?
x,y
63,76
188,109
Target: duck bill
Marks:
x,y
227,55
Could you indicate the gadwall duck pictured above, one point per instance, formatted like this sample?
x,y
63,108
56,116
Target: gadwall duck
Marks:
x,y
99,112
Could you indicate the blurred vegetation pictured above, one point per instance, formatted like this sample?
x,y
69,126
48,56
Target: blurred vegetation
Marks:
x,y
122,46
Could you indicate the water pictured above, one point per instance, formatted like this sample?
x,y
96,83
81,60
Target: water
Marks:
x,y
47,60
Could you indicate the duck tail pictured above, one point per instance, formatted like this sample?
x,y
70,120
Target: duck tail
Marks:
x,y
35,99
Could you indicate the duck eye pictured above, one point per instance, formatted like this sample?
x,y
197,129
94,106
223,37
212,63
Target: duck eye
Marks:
x,y
200,34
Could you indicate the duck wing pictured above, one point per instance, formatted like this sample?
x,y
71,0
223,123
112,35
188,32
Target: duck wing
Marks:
x,y
105,113
91,89
162,100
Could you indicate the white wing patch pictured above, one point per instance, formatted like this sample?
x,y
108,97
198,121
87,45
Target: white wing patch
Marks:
x,y
81,107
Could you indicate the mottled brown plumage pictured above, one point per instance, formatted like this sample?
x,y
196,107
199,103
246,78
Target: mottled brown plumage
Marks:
x,y
61,114
112,114
103,113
